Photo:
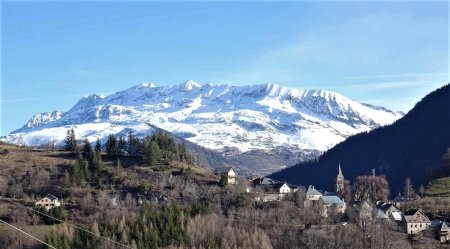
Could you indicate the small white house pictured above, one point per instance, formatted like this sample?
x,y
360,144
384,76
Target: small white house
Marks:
x,y
283,188
228,172
415,221
48,202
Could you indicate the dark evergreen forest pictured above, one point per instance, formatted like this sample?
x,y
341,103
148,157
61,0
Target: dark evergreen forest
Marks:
x,y
411,147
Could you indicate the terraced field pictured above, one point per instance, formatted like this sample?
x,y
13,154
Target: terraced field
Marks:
x,y
439,187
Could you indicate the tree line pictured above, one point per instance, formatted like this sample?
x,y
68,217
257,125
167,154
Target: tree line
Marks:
x,y
153,150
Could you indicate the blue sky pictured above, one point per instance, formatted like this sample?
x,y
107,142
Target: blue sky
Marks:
x,y
383,53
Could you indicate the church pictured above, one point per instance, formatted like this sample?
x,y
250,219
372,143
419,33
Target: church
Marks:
x,y
339,184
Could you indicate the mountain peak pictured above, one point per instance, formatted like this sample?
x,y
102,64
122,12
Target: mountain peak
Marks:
x,y
146,85
190,84
41,119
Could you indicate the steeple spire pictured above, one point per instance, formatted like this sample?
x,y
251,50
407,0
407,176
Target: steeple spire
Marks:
x,y
339,181
340,171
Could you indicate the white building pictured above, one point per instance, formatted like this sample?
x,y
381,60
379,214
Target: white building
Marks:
x,y
229,173
48,202
415,221
313,194
283,188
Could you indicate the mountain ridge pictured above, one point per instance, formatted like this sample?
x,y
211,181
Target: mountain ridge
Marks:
x,y
264,117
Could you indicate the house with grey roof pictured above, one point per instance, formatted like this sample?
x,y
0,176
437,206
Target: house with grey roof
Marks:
x,y
313,194
329,201
443,232
388,211
400,200
263,181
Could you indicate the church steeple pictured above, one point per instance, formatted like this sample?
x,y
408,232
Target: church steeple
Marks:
x,y
339,181
340,171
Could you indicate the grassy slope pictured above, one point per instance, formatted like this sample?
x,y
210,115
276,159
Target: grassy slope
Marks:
x,y
439,187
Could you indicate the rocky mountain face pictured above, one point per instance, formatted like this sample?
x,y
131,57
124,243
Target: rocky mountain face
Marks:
x,y
253,123
412,147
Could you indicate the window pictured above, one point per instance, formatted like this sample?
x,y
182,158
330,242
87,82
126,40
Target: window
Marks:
x,y
416,225
411,225
420,225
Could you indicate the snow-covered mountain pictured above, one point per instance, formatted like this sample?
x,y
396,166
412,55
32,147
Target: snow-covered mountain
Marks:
x,y
221,117
41,119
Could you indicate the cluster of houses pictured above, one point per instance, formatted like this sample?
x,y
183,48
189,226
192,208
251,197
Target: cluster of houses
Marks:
x,y
266,190
413,221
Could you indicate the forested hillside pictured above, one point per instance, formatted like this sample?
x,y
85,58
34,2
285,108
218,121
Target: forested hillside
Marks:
x,y
411,147
135,202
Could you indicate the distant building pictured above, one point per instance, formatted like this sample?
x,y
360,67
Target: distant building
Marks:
x,y
282,188
443,232
48,202
332,200
229,173
313,194
388,211
415,221
400,200
339,188
263,181
365,211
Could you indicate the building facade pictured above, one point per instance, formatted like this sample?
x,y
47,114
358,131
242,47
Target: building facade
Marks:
x,y
415,221
229,173
48,202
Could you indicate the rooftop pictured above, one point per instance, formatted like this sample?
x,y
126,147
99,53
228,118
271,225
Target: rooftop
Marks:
x,y
416,216
313,191
332,199
51,197
224,170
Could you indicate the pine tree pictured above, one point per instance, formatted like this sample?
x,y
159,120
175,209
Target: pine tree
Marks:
x,y
111,145
421,191
131,148
154,153
121,146
87,149
71,141
98,146
146,151
95,162
67,181
223,180
76,173
68,141
84,166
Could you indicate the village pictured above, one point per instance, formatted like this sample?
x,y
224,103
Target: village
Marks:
x,y
396,212
411,221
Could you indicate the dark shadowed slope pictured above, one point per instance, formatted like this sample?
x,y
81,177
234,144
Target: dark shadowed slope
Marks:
x,y
408,148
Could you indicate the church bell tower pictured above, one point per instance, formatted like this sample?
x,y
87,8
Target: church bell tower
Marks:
x,y
339,181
